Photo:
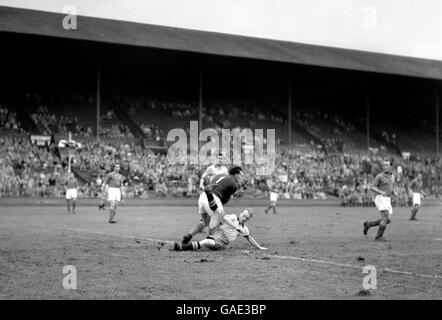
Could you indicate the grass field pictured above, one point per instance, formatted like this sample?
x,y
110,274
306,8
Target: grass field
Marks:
x,y
314,253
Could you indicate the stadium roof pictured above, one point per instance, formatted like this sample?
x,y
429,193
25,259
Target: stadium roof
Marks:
x,y
43,23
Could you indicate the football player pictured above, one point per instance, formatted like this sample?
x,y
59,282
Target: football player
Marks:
x,y
383,186
227,233
212,171
71,191
273,192
112,187
211,201
416,188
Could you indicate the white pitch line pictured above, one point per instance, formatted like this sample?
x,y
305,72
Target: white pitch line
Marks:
x,y
432,276
438,239
119,235
266,255
312,260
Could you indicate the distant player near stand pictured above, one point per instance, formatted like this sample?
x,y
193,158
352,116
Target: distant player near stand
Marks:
x,y
211,201
273,192
383,186
416,188
212,171
112,187
232,227
71,191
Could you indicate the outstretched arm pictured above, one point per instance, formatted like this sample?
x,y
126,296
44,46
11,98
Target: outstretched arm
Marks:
x,y
254,243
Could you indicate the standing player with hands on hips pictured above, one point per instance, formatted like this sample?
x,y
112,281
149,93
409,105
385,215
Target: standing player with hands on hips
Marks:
x,y
71,191
416,188
273,192
383,186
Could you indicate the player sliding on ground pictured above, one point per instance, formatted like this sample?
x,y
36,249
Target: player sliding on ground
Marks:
x,y
383,186
112,186
232,227
211,201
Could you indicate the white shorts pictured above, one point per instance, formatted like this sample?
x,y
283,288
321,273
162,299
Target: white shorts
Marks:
x,y
206,212
71,194
113,194
416,199
273,196
383,203
221,241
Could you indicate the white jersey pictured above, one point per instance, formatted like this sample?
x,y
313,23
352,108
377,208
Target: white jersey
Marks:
x,y
230,234
213,171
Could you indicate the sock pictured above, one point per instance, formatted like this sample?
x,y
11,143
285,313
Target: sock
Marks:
x,y
187,238
211,199
111,214
274,210
69,205
413,213
191,246
73,206
381,230
374,223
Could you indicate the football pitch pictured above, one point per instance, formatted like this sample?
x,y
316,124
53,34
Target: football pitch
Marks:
x,y
314,253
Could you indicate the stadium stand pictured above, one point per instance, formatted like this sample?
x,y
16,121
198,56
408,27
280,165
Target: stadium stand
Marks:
x,y
149,85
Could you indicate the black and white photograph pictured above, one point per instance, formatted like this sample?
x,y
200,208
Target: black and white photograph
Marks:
x,y
241,151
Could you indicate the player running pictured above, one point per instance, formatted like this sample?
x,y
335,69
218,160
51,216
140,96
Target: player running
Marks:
x,y
416,188
212,171
227,233
112,187
211,201
383,186
71,191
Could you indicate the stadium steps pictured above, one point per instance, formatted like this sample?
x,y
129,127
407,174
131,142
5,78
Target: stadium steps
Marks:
x,y
127,120
302,131
356,137
375,135
307,134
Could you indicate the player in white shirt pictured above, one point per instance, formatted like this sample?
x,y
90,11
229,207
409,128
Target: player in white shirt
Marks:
x,y
273,192
71,191
231,227
212,171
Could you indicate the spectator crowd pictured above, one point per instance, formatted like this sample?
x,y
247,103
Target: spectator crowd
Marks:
x,y
8,121
31,170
